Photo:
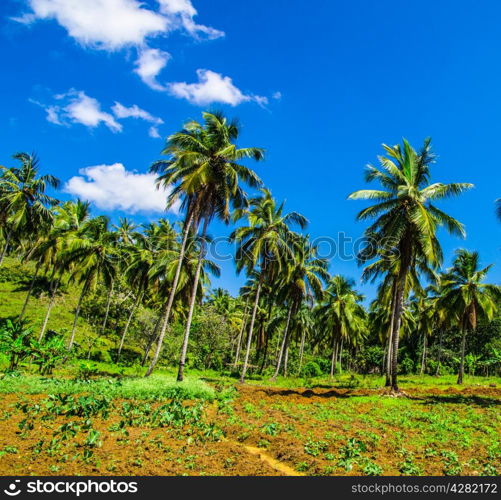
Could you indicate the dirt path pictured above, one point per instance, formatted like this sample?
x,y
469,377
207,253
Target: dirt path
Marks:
x,y
269,460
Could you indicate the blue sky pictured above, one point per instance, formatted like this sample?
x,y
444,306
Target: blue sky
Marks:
x,y
319,85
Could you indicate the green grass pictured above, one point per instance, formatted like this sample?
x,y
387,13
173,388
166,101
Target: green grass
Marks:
x,y
14,283
350,381
156,386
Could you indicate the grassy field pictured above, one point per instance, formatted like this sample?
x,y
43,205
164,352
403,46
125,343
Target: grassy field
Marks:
x,y
14,283
210,425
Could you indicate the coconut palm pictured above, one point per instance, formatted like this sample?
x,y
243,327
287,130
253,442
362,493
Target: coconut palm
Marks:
x,y
406,220
466,297
205,175
302,281
91,257
266,243
70,218
25,205
341,313
139,262
303,328
422,310
125,235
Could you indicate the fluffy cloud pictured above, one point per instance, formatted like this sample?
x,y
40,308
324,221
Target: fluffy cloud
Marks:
x,y
76,106
154,133
184,11
134,111
102,24
212,87
112,187
149,64
114,24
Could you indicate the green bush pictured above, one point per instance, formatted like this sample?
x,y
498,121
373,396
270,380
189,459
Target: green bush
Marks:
x,y
311,369
128,357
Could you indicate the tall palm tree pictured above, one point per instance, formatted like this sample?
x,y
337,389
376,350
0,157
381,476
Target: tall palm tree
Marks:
x,y
342,314
139,262
247,293
125,236
70,218
303,327
466,296
25,205
406,220
204,173
266,243
422,308
303,278
90,256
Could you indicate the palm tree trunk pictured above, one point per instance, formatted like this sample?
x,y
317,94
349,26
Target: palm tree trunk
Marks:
x,y
77,313
6,246
193,299
286,359
399,306
251,328
53,292
437,371
172,294
108,303
334,355
388,360
265,354
390,334
301,350
240,337
341,356
461,364
423,359
32,284
282,347
151,340
126,329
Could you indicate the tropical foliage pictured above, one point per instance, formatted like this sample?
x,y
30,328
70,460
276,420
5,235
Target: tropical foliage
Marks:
x,y
142,292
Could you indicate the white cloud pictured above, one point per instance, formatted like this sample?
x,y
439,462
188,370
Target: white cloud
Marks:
x,y
212,87
114,24
134,111
77,107
112,187
149,64
102,24
154,133
277,95
185,12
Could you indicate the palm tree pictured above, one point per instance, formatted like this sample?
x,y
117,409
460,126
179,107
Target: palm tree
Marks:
x,y
342,314
70,217
466,296
406,221
246,292
125,236
205,174
25,205
266,243
33,253
140,260
302,281
90,256
302,327
422,308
